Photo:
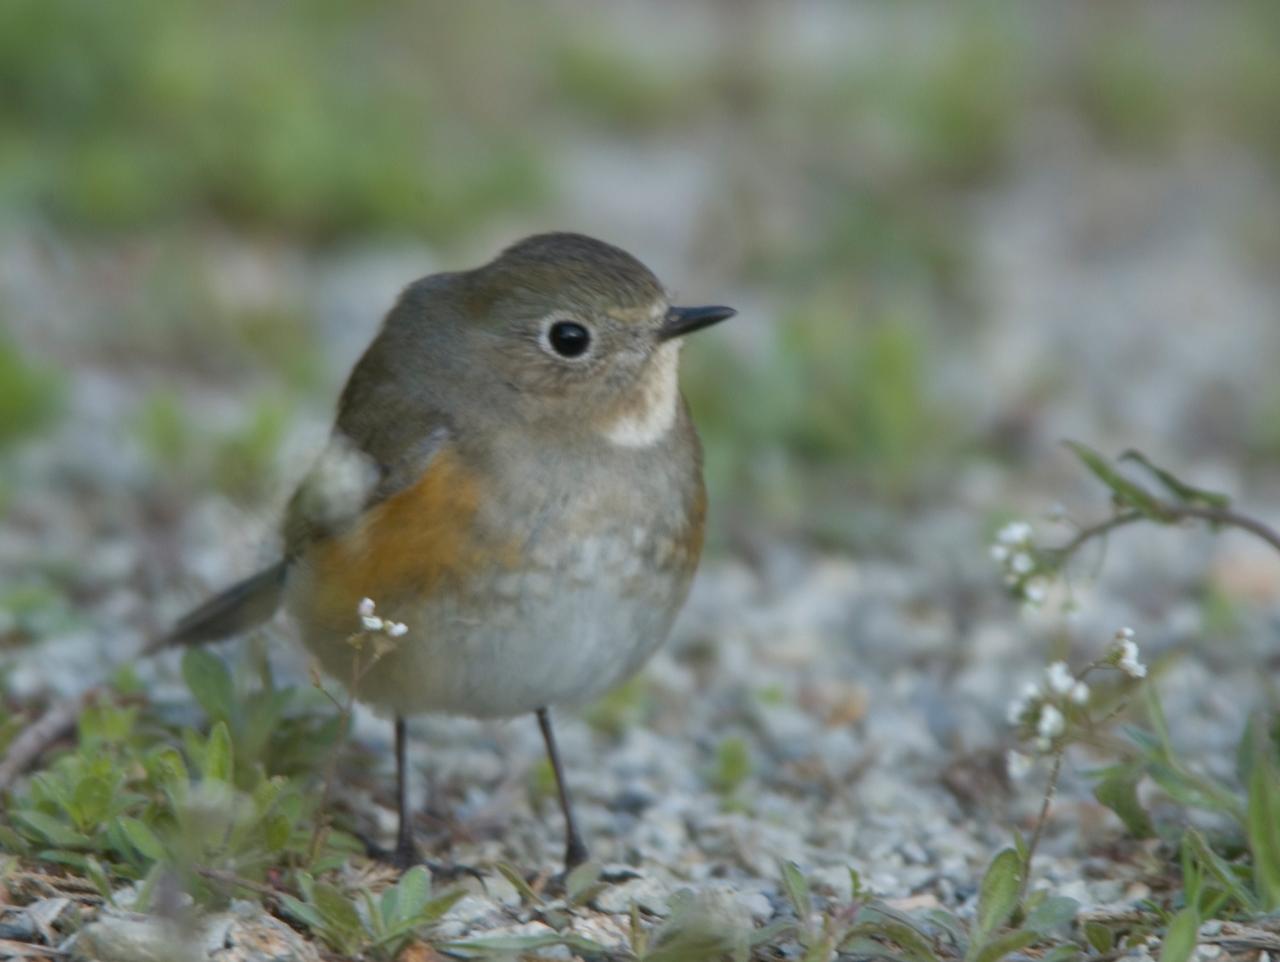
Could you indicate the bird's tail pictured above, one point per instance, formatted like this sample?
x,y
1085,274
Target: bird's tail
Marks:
x,y
239,608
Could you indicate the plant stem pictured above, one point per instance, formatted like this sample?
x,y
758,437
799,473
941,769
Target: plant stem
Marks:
x,y
1169,513
1042,819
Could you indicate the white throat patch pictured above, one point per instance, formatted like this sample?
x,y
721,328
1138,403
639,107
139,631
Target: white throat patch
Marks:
x,y
659,399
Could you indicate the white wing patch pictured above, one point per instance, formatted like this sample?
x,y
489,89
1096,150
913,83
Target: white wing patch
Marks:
x,y
655,412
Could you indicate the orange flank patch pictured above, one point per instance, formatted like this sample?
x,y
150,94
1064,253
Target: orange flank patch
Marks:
x,y
409,547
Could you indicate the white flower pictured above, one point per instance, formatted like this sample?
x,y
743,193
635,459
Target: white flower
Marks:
x,y
1017,765
397,629
1124,634
1059,678
1080,693
1014,533
1051,724
1035,591
999,553
1022,563
1128,662
366,608
371,622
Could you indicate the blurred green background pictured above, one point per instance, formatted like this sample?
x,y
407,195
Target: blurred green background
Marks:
x,y
955,233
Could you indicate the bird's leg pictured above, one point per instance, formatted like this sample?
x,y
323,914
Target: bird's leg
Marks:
x,y
406,851
575,850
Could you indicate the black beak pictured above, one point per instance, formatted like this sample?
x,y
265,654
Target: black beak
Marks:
x,y
685,320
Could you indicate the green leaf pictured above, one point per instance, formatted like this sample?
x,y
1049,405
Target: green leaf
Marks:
x,y
217,754
998,896
797,889
142,838
486,948
170,771
93,869
389,907
1184,492
512,875
90,802
303,912
1125,492
765,935
914,945
1118,791
267,793
1006,945
1052,913
210,683
582,884
1221,870
732,767
1180,938
412,893
52,830
1067,952
277,830
1100,937
952,926
436,909
338,911
1264,828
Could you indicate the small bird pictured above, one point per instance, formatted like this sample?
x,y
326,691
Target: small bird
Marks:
x,y
513,478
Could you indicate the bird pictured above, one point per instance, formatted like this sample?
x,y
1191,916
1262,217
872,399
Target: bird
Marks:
x,y
514,480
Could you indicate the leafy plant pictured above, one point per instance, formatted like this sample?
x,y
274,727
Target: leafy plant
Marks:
x,y
31,395
353,924
128,803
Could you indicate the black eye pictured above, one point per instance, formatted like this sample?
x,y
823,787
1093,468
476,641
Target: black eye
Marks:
x,y
569,339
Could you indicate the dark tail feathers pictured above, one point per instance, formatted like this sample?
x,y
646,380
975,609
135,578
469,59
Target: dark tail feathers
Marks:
x,y
239,608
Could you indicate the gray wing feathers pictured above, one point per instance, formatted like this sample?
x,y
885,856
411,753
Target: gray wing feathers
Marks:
x,y
241,607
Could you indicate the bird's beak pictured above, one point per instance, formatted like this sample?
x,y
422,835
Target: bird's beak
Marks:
x,y
685,320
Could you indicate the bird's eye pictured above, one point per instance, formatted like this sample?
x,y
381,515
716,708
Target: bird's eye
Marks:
x,y
569,338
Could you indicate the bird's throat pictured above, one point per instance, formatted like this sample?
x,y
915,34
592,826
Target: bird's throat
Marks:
x,y
650,412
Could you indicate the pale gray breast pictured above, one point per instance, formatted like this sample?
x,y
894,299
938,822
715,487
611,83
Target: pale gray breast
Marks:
x,y
598,512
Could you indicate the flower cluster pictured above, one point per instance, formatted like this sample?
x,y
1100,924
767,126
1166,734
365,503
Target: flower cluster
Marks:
x,y
1021,564
1043,712
1124,655
371,622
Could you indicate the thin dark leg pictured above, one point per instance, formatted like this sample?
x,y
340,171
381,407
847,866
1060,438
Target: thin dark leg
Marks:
x,y
575,852
406,852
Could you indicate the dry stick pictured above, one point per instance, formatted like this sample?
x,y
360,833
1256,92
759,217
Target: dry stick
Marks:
x,y
36,738
58,719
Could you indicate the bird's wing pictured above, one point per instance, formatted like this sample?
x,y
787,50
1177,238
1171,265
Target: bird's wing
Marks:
x,y
385,438
349,509
347,483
